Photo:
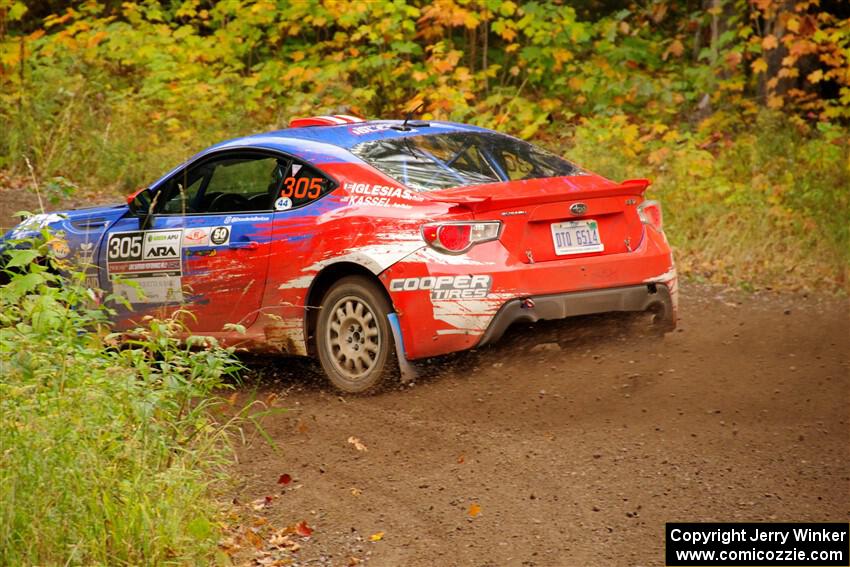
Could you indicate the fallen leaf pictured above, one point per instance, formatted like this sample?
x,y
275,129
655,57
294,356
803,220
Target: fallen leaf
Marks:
x,y
301,427
302,529
355,491
474,510
284,479
460,459
255,539
352,561
357,444
232,399
376,536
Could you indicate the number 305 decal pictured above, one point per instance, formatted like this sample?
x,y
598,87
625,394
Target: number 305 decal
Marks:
x,y
309,187
126,246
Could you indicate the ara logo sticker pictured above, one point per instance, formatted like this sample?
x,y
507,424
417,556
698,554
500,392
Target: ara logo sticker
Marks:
x,y
283,204
220,235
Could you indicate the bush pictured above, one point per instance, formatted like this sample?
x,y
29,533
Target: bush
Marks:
x,y
763,206
107,455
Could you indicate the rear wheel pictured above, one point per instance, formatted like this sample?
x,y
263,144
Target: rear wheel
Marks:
x,y
353,336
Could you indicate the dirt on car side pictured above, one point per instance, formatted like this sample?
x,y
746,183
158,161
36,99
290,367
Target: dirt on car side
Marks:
x,y
566,443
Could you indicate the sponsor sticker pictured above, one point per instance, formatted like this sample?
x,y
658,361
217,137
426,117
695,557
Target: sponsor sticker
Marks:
x,y
199,236
254,218
59,248
150,289
283,204
447,287
220,235
372,128
86,253
380,195
145,266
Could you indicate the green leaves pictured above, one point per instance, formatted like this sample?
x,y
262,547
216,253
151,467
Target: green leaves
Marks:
x,y
107,454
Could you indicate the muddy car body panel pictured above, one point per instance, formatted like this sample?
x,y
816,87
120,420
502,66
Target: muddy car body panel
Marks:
x,y
464,230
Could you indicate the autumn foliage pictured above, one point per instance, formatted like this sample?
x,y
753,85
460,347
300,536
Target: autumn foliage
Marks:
x,y
738,109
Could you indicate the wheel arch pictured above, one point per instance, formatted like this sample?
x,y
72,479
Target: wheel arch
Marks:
x,y
323,282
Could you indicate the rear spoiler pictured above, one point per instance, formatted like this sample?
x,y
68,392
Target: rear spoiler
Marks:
x,y
483,203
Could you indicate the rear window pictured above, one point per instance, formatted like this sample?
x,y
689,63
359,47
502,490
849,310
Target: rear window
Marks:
x,y
440,161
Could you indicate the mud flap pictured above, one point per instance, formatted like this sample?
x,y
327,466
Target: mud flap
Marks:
x,y
408,371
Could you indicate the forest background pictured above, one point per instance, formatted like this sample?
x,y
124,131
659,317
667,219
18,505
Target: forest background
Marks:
x,y
737,109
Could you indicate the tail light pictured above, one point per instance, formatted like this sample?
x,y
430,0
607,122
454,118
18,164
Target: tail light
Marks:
x,y
650,213
458,237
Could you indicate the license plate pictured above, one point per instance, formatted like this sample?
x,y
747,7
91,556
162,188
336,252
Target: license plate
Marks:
x,y
576,237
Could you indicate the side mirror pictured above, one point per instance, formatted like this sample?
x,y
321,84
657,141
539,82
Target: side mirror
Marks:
x,y
140,205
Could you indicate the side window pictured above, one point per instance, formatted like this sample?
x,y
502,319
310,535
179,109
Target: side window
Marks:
x,y
234,183
302,184
181,193
515,166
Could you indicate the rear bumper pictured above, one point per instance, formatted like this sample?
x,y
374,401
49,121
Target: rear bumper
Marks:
x,y
433,324
650,297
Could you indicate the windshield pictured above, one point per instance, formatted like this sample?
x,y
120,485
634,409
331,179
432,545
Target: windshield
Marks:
x,y
440,161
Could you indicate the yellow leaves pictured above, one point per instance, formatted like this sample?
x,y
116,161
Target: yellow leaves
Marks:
x,y
676,49
788,72
507,8
793,24
474,510
297,56
670,136
658,156
769,42
35,35
815,76
576,82
733,59
508,34
96,38
377,536
775,102
759,65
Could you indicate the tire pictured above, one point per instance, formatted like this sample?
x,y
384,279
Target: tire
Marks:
x,y
353,336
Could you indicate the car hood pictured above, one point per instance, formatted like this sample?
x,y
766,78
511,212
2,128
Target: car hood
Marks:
x,y
71,222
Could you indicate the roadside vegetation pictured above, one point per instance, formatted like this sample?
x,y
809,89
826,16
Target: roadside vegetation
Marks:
x,y
738,110
108,456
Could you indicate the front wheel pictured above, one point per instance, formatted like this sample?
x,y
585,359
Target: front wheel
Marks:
x,y
353,336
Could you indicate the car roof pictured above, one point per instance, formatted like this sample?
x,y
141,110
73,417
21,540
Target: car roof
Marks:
x,y
331,143
348,135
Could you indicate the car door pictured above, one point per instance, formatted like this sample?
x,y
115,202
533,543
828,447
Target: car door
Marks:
x,y
205,248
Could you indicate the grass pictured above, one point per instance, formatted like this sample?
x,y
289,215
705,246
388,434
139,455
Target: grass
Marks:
x,y
107,456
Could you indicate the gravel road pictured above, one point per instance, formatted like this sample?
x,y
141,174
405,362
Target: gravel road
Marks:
x,y
567,443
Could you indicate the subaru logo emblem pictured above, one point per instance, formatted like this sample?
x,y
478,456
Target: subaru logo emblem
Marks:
x,y
578,208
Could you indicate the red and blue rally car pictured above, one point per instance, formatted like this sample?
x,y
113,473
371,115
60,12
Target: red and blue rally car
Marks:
x,y
368,244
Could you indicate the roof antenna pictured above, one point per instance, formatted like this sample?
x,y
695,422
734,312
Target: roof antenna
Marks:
x,y
404,127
